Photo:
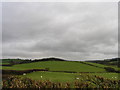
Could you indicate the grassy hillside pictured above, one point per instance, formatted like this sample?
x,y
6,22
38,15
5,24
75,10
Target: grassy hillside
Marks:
x,y
113,62
57,66
10,60
102,65
74,73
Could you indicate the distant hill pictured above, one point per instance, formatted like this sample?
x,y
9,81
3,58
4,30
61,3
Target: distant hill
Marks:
x,y
49,59
56,63
21,61
113,61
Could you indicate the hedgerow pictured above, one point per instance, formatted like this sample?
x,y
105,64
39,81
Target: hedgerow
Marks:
x,y
81,81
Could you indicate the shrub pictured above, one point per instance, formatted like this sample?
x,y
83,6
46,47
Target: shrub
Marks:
x,y
109,69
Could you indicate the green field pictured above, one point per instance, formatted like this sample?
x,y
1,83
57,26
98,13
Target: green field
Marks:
x,y
65,77
52,76
73,66
101,65
4,63
56,66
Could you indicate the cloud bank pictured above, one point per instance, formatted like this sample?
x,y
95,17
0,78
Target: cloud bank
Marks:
x,y
75,31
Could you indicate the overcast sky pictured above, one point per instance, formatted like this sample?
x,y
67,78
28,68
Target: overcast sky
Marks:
x,y
74,31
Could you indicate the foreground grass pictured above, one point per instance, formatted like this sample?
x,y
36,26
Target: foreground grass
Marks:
x,y
86,81
66,77
57,66
112,76
52,76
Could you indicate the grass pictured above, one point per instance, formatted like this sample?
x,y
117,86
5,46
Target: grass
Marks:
x,y
113,76
52,76
101,65
65,77
4,63
61,66
78,79
56,66
84,82
18,67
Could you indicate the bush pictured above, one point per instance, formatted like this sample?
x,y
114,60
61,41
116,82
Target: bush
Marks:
x,y
109,69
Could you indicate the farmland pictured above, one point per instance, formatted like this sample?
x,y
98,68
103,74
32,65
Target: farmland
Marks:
x,y
60,71
62,77
56,66
102,65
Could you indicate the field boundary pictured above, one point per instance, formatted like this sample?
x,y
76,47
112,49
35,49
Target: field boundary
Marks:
x,y
21,72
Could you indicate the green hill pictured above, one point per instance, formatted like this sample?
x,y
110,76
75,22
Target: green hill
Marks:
x,y
61,71
112,62
56,66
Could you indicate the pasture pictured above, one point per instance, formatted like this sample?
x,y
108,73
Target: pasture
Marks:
x,y
102,65
66,77
56,66
64,72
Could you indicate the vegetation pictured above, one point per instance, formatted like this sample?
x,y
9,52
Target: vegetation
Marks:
x,y
62,77
52,76
57,66
58,73
21,61
112,76
113,61
109,69
85,82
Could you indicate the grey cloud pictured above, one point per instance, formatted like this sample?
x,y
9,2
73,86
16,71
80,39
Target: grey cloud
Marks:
x,y
67,30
